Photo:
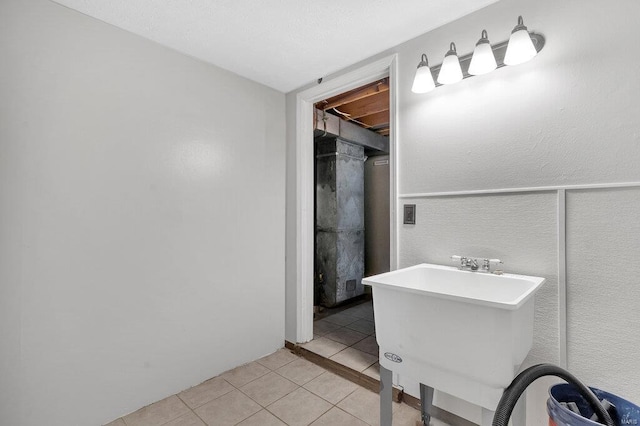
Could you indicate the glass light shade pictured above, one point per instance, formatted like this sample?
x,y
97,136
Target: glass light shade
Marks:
x,y
423,81
483,60
520,48
450,71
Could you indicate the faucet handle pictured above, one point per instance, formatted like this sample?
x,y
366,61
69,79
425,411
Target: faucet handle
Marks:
x,y
487,263
461,260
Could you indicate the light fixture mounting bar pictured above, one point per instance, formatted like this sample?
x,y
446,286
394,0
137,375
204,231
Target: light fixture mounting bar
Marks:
x,y
499,50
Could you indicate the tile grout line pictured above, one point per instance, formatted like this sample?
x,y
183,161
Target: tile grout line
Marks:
x,y
358,387
177,417
345,343
289,393
367,335
284,396
262,407
288,362
352,415
347,347
193,410
315,394
325,412
347,396
205,403
234,387
250,381
148,405
270,371
307,380
274,415
319,396
355,349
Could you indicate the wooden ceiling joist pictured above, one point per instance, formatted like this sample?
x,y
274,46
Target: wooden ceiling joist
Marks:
x,y
375,120
380,86
366,106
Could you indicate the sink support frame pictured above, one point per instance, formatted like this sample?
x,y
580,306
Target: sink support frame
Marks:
x,y
386,405
386,396
426,402
518,417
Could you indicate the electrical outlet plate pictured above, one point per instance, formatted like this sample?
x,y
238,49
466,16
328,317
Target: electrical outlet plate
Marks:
x,y
409,214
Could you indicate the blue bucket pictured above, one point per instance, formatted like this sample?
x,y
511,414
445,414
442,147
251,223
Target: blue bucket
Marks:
x,y
627,413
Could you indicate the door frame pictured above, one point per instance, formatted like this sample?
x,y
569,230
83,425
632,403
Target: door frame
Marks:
x,y
305,157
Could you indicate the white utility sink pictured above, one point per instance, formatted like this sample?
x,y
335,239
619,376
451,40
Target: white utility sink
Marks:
x,y
461,332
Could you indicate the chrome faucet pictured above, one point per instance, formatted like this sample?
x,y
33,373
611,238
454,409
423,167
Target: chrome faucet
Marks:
x,y
472,264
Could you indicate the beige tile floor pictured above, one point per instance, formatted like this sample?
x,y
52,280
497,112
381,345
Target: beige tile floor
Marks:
x,y
279,389
348,338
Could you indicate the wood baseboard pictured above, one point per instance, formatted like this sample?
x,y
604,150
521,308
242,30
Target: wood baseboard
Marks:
x,y
348,373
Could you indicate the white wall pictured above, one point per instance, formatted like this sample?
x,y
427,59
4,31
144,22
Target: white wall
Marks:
x,y
570,116
141,219
603,242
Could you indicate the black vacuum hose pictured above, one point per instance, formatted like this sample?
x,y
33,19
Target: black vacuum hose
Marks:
x,y
528,376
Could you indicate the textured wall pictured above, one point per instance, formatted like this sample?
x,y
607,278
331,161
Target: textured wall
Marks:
x,y
141,219
519,229
603,247
562,118
552,121
570,116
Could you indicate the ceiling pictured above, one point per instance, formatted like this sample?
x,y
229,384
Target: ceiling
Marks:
x,y
367,106
283,44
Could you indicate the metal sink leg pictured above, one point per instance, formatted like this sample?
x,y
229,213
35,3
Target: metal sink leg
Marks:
x,y
426,401
386,396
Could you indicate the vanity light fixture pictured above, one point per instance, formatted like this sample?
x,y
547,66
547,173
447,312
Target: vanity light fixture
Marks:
x,y
521,47
450,72
483,60
423,80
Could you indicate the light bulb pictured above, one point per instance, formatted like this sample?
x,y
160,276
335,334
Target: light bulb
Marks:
x,y
483,61
520,48
423,80
450,72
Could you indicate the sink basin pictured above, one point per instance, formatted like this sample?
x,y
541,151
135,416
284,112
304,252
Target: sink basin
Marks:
x,y
464,333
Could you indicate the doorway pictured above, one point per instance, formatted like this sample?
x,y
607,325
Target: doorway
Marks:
x,y
305,156
351,194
